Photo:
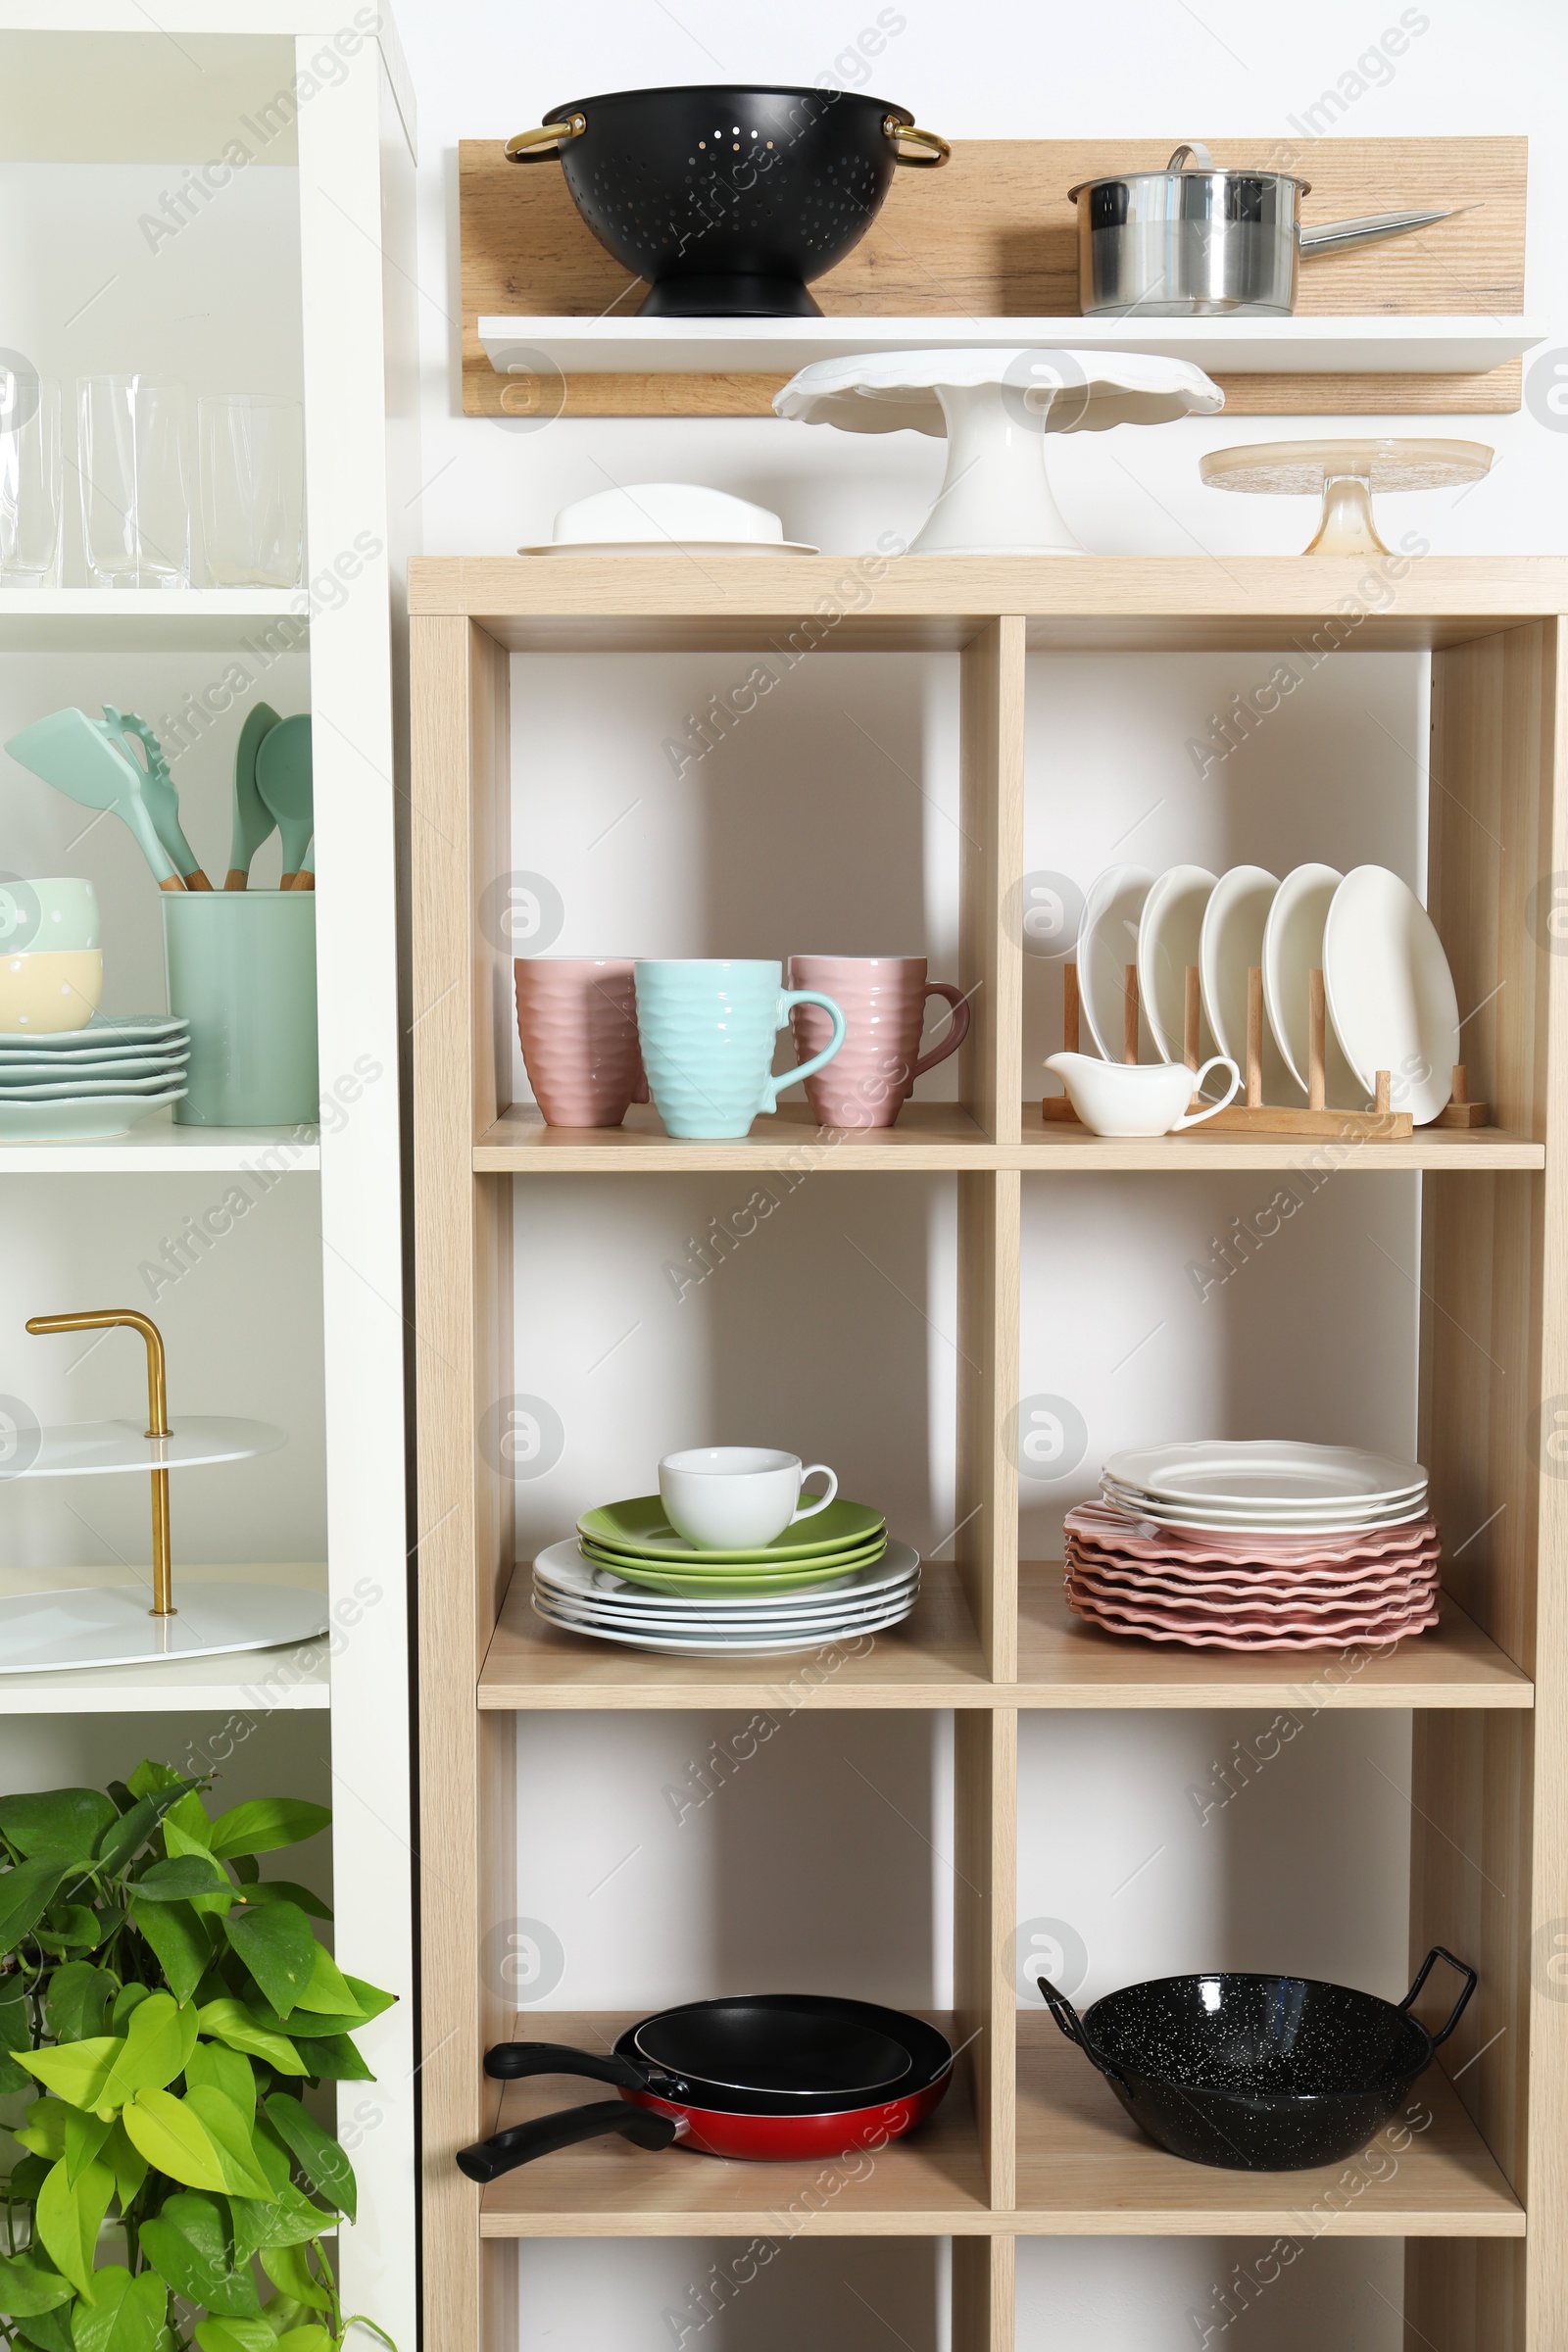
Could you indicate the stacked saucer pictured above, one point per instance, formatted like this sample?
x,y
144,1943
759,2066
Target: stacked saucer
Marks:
x,y
1270,1544
636,1542
573,1592
90,1082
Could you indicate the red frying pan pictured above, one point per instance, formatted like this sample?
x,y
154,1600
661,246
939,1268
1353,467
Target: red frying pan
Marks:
x,y
768,2079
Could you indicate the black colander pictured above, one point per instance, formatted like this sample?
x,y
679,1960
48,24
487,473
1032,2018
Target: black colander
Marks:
x,y
729,200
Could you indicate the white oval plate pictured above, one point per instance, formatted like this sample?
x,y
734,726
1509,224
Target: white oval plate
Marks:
x,y
735,1645
1284,1471
1231,946
1108,941
1168,934
562,1569
1391,993
1292,948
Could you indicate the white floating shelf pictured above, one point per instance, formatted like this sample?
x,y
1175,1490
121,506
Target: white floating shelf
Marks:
x,y
1335,346
158,1148
98,1449
149,620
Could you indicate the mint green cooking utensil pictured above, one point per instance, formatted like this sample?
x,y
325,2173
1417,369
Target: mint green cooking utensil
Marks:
x,y
283,781
254,821
75,754
158,789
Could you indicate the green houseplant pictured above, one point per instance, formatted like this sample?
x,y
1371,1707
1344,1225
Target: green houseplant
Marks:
x,y
166,2006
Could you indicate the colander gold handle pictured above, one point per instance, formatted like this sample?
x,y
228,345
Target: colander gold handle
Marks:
x,y
935,151
538,146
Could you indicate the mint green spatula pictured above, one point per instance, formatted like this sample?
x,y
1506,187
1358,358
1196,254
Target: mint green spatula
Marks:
x,y
283,781
75,754
253,819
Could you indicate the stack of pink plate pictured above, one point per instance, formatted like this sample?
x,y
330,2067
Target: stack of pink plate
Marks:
x,y
1266,1545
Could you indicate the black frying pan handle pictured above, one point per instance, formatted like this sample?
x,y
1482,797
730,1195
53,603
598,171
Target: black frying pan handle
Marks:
x,y
1073,2024
1458,2011
508,2061
489,2158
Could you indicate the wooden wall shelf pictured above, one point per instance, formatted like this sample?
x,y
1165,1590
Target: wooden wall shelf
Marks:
x,y
1041,2148
991,241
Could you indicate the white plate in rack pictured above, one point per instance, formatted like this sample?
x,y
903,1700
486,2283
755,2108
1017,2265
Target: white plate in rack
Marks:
x,y
1108,941
1170,930
1391,993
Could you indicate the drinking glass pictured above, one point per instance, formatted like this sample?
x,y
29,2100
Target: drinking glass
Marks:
x,y
135,470
29,478
253,477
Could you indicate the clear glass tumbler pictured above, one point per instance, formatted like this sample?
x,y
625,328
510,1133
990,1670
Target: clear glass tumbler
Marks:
x,y
134,459
30,479
253,489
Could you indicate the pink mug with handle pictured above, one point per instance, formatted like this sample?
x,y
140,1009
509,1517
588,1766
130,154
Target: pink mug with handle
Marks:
x,y
884,1000
577,1026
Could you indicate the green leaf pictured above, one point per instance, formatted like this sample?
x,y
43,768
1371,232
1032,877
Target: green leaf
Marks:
x,y
28,2176
125,1839
265,1824
332,2058
70,1928
279,1947
50,2331
177,1882
290,2269
78,1995
77,2071
159,2039
314,2150
179,1843
150,1776
26,1894
235,2335
180,1942
129,1998
230,2021
173,2140
68,2221
223,2070
327,1993
125,2315
45,2134
283,1890
189,2240
26,2289
63,1825
305,2339
230,2133
85,2137
16,2032
292,2221
127,2164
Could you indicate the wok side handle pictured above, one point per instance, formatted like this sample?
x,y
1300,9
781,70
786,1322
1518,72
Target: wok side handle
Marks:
x,y
1073,2024
509,2061
1458,2011
504,2151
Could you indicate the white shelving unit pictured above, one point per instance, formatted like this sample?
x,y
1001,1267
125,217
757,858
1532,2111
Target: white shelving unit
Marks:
x,y
1330,346
92,89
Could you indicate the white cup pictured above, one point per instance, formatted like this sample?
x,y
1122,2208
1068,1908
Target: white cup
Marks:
x,y
1138,1097
737,1497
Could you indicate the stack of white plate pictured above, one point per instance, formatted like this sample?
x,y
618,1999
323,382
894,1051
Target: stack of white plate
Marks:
x,y
569,1592
1265,1486
93,1082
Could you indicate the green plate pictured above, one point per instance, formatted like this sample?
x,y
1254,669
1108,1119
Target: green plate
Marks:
x,y
758,1580
733,1580
708,1563
639,1527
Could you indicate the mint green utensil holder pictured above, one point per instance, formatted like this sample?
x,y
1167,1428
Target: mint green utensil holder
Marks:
x,y
241,966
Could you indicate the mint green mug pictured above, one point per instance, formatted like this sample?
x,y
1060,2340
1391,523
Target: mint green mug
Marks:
x,y
707,1029
241,966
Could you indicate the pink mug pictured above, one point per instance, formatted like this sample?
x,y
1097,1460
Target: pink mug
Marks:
x,y
884,999
577,1025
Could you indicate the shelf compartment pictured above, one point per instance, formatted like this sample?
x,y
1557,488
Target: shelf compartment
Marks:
x,y
929,1136
162,620
1085,2169
932,2183
1381,344
931,1660
1065,1662
1065,1149
156,1147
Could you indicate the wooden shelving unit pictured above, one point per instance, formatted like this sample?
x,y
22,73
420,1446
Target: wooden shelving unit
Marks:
x,y
1031,2142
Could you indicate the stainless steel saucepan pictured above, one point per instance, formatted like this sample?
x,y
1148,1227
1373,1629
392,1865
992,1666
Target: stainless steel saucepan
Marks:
x,y
1200,240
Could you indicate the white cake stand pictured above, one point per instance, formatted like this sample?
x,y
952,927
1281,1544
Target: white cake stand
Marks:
x,y
996,408
1345,475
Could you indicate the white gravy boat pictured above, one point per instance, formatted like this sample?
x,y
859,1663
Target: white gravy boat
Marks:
x,y
1139,1097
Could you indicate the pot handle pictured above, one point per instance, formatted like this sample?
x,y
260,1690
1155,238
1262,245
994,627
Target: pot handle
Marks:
x,y
1198,153
1458,2011
541,145
504,2151
509,2061
1073,2024
934,150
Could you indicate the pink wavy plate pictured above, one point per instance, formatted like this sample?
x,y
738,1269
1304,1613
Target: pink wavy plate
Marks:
x,y
1140,1576
1141,1539
1239,1638
1285,1614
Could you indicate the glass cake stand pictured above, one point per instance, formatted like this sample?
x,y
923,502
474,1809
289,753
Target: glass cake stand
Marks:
x,y
1344,474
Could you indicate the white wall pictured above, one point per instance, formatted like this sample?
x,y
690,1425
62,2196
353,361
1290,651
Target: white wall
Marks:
x,y
801,832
